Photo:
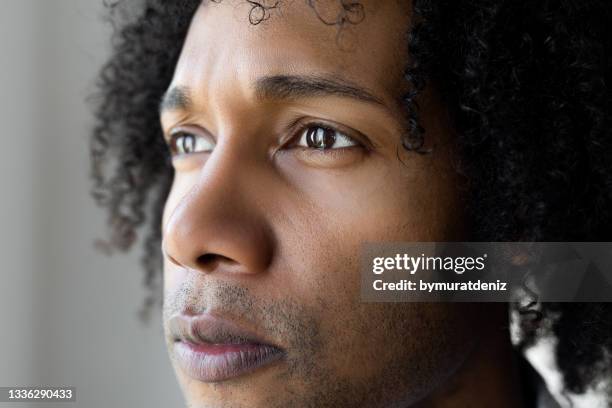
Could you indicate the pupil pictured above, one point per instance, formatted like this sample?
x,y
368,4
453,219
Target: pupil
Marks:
x,y
320,138
187,143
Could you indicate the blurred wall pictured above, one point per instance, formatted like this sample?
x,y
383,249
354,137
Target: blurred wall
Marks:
x,y
69,313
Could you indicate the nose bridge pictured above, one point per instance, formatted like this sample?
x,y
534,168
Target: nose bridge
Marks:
x,y
218,223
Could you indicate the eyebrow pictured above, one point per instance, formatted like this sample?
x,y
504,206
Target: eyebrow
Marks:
x,y
283,87
176,98
301,86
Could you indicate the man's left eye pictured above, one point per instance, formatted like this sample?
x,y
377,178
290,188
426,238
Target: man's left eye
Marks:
x,y
186,142
324,138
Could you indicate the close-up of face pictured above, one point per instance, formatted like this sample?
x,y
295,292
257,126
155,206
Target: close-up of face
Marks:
x,y
307,203
286,146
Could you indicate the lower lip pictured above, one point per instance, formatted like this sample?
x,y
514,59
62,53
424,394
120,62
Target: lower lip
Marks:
x,y
219,362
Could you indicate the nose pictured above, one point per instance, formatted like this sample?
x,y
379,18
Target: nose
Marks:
x,y
217,226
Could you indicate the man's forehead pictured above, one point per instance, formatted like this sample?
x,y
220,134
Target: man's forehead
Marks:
x,y
293,41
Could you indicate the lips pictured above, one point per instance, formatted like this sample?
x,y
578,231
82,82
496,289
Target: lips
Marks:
x,y
211,349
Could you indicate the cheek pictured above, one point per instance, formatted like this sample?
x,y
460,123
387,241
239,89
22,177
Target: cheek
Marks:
x,y
320,256
381,199
334,212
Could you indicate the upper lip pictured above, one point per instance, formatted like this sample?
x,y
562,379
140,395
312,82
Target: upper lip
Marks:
x,y
207,328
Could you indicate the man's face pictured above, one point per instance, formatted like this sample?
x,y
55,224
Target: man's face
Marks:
x,y
288,137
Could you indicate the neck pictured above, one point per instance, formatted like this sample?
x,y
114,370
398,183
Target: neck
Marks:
x,y
490,375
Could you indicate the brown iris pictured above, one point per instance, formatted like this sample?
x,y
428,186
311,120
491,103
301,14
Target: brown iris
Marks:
x,y
318,137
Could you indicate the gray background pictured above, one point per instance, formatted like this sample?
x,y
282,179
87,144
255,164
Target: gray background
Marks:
x,y
68,313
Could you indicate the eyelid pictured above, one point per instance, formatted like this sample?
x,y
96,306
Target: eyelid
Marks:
x,y
197,130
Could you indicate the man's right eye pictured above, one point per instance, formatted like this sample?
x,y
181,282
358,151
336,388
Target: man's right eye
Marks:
x,y
184,142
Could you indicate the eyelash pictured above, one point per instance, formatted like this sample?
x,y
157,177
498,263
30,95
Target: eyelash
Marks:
x,y
295,139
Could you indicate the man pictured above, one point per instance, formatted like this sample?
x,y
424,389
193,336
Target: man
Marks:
x,y
281,136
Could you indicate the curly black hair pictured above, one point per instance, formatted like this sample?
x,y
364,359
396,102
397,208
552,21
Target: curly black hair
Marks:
x,y
526,83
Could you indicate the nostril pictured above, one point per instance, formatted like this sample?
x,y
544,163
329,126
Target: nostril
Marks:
x,y
206,259
211,260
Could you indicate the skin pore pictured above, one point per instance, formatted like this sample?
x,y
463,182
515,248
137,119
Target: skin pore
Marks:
x,y
287,157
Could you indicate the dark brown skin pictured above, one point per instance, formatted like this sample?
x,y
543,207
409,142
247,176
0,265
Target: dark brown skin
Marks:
x,y
266,231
